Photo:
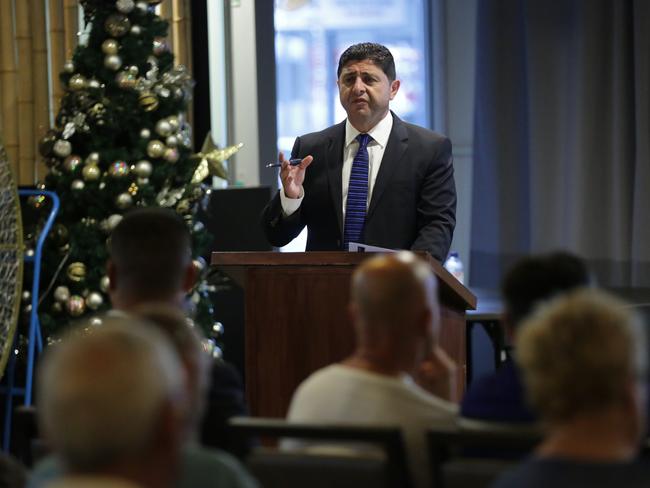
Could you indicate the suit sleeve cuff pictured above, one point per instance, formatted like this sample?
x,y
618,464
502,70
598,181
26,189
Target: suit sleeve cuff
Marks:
x,y
290,205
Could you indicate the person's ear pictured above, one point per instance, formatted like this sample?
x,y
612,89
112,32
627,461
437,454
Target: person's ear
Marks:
x,y
394,88
191,275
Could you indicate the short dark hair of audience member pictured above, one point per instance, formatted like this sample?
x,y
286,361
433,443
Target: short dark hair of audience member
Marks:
x,y
112,401
584,360
535,279
150,258
186,340
376,53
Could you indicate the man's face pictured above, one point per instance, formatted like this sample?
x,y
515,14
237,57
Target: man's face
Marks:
x,y
365,91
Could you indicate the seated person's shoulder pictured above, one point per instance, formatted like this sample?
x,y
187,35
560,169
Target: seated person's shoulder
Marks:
x,y
213,467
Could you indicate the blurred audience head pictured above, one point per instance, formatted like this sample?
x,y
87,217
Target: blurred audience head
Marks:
x,y
112,401
186,340
584,358
150,258
394,306
535,279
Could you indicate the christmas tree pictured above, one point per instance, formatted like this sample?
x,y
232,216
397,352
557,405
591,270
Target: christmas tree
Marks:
x,y
120,141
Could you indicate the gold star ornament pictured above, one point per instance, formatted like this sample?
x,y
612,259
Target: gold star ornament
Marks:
x,y
211,160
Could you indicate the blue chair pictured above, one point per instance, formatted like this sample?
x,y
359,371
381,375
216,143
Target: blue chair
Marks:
x,y
34,337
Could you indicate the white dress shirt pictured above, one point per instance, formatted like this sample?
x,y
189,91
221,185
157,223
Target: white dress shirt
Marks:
x,y
376,148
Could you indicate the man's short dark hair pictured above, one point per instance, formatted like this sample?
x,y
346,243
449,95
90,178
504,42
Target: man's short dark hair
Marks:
x,y
378,54
536,279
151,249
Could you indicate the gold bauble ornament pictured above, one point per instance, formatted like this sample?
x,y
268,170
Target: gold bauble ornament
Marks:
x,y
155,148
163,127
110,46
91,172
76,272
76,305
117,25
92,158
171,155
148,101
77,82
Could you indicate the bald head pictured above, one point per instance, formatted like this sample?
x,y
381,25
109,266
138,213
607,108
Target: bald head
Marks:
x,y
391,290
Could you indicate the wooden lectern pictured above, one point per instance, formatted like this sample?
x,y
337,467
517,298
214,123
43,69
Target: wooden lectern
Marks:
x,y
296,318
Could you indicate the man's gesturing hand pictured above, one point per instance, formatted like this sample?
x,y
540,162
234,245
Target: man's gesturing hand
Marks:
x,y
293,176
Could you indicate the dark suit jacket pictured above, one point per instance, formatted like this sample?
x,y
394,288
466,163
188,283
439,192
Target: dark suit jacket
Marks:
x,y
413,203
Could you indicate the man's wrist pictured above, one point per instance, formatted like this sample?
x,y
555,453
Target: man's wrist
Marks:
x,y
291,205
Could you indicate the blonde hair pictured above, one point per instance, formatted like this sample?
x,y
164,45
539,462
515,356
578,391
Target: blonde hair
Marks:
x,y
578,354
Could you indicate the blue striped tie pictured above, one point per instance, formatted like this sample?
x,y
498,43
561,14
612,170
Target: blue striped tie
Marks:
x,y
355,207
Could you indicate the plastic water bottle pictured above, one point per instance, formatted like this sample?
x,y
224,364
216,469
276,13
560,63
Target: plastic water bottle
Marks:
x,y
455,266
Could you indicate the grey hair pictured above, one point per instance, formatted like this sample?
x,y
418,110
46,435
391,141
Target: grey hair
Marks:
x,y
103,389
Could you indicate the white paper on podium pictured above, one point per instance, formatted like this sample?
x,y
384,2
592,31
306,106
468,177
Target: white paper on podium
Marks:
x,y
358,247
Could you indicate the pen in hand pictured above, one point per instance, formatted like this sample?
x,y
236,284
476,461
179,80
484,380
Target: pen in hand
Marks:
x,y
292,162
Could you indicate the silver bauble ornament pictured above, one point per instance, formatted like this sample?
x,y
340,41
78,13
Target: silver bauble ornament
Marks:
x,y
61,293
110,46
94,300
68,66
71,163
133,69
136,30
123,201
76,305
171,141
143,168
124,6
142,6
113,62
91,172
77,82
163,128
155,149
112,222
62,148
142,181
104,284
145,133
93,83
77,185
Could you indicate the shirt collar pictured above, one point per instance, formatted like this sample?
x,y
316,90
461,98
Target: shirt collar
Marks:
x,y
379,133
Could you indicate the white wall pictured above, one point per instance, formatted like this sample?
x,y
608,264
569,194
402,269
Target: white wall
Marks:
x,y
244,90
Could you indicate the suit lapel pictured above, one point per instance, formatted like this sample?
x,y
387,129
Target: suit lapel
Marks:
x,y
395,148
334,170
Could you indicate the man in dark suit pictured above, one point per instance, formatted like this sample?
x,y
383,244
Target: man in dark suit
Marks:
x,y
393,187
